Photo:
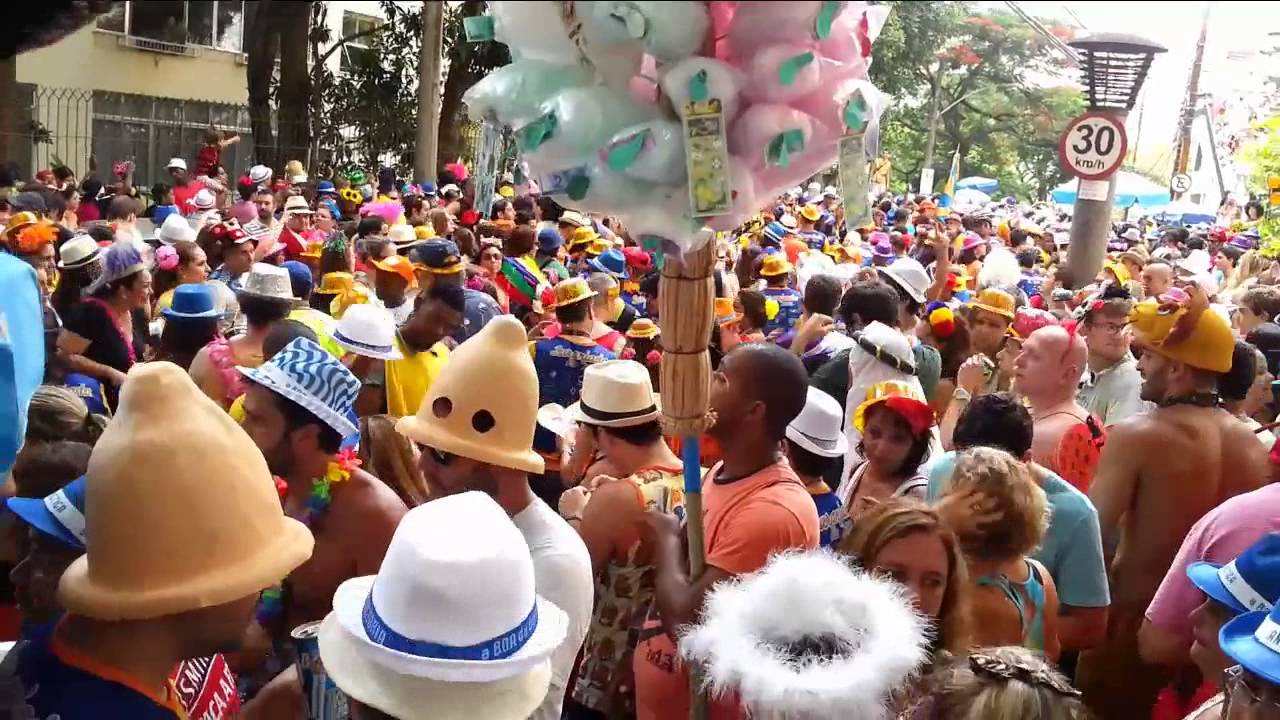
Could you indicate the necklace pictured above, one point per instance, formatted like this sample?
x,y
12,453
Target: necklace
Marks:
x,y
271,602
1204,399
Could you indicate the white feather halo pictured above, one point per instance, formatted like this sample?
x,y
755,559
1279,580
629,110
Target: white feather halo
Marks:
x,y
746,624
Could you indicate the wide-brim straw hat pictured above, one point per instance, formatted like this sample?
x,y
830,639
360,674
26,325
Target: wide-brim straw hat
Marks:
x,y
615,393
156,505
462,415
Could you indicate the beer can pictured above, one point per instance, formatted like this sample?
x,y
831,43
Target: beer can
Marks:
x,y
323,699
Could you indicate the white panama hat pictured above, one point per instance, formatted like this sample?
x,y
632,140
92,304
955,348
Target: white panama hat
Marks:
x,y
78,251
615,393
452,614
819,426
368,330
909,275
175,228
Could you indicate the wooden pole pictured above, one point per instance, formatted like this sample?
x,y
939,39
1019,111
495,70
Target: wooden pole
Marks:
x,y
425,161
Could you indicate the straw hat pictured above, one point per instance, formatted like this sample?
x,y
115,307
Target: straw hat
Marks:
x,y
774,265
311,377
461,414
569,217
615,393
260,174
996,301
818,427
486,642
568,292
645,329
156,505
810,213
900,397
78,252
403,236
1138,255
368,330
582,236
268,281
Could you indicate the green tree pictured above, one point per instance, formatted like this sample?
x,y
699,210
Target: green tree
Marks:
x,y
978,84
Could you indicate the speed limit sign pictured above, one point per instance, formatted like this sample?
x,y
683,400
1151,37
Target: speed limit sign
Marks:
x,y
1093,146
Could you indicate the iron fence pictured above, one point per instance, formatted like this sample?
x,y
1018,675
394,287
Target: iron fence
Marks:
x,y
86,129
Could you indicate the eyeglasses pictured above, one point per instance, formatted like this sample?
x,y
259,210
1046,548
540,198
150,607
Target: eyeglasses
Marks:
x,y
1234,680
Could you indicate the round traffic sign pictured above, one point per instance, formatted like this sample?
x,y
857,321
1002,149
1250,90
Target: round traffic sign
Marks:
x,y
1180,183
1093,146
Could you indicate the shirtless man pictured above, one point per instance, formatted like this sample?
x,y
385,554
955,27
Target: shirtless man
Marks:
x,y
1161,471
301,443
1046,373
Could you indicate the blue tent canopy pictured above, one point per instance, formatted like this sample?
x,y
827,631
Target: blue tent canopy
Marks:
x,y
1130,188
981,184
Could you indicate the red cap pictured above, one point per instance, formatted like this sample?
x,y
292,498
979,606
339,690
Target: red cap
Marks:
x,y
469,217
637,258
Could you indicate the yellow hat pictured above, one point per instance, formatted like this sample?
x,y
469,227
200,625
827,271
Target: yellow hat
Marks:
x,y
775,264
490,427
313,250
902,399
424,232
336,282
995,301
584,235
644,328
1184,329
573,290
810,213
507,191
1120,271
598,247
724,310
157,504
19,220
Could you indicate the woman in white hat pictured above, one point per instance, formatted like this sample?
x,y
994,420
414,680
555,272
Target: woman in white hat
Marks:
x,y
106,333
79,265
815,442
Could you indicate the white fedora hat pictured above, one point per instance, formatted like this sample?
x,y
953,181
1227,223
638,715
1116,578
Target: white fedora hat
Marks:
x,y
909,275
454,602
818,427
297,205
403,236
175,228
78,251
259,174
615,393
368,330
204,199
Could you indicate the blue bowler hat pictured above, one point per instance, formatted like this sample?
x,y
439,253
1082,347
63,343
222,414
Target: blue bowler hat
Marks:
x,y
1253,640
60,515
193,300
1250,583
611,261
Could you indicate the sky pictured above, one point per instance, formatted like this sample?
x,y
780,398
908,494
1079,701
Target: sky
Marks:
x,y
1234,27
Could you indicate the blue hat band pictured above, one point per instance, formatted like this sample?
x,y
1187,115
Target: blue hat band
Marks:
x,y
383,349
496,648
1240,588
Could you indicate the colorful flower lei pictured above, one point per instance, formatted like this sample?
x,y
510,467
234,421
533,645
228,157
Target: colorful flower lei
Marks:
x,y
271,602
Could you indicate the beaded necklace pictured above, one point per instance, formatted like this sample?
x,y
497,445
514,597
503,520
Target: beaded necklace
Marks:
x,y
271,602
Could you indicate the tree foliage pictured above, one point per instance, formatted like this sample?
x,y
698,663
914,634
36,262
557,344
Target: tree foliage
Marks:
x,y
997,85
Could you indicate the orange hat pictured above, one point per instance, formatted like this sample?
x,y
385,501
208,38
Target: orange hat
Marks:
x,y
399,265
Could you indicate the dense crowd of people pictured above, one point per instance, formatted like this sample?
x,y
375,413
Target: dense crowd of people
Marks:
x,y
351,446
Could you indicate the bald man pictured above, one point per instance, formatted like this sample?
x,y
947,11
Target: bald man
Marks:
x,y
1157,278
1047,371
1160,472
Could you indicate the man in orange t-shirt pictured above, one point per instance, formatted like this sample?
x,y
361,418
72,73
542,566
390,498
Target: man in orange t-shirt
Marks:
x,y
754,505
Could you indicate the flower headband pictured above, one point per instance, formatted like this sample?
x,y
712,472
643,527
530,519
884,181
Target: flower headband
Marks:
x,y
350,195
166,257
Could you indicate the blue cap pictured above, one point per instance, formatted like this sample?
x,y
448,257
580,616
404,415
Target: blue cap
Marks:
x,y
549,240
300,279
326,187
60,515
428,188
1249,583
612,262
439,255
193,300
775,231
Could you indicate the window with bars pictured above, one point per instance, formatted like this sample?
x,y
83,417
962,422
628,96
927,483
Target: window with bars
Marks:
x,y
214,23
151,130
358,52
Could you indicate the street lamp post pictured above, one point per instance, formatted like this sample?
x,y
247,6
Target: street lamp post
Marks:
x,y
1113,66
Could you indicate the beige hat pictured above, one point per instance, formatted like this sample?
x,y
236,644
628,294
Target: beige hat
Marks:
x,y
297,205
157,503
615,393
462,415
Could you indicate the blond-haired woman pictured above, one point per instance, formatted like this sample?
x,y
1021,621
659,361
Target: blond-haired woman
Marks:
x,y
1014,598
1000,683
907,540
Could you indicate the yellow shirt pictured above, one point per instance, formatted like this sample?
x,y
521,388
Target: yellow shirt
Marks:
x,y
322,325
409,379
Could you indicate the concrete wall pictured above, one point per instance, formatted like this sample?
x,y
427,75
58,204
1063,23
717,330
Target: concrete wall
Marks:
x,y
95,60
